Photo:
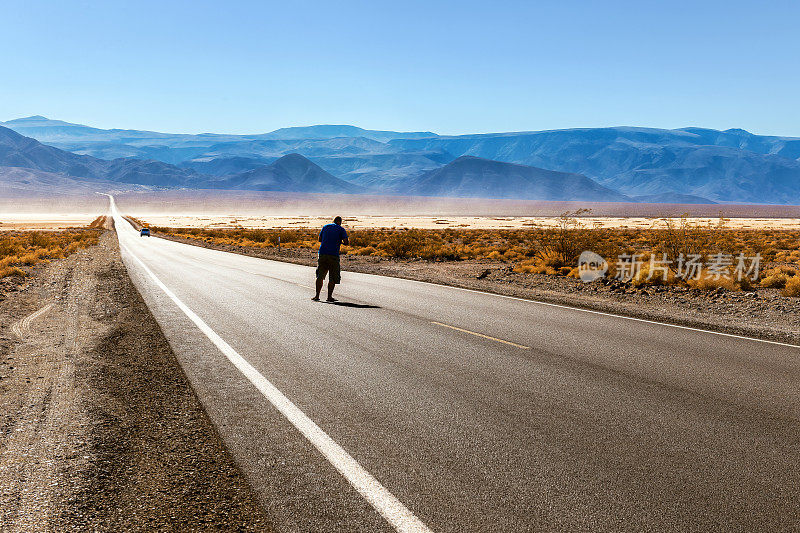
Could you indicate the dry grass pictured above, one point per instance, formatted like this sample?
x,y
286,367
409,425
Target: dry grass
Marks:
x,y
792,287
555,251
20,249
710,283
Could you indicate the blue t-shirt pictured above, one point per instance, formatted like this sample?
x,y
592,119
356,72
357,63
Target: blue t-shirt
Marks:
x,y
331,237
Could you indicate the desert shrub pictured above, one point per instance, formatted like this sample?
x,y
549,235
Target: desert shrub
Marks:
x,y
770,254
792,287
532,266
28,248
569,238
776,281
786,270
512,255
548,261
644,277
775,278
6,272
404,244
550,257
366,250
709,283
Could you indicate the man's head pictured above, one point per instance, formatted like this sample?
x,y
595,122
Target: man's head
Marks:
x,y
337,220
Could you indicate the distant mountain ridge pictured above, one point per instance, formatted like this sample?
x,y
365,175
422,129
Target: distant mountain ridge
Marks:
x,y
23,158
695,164
646,161
20,151
220,167
328,131
474,177
16,182
290,173
48,130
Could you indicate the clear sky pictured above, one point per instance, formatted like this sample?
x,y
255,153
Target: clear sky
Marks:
x,y
450,67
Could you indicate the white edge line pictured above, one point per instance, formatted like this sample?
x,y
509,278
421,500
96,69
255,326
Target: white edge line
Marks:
x,y
400,517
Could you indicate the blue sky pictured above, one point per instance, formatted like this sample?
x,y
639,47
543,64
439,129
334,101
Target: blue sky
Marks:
x,y
448,67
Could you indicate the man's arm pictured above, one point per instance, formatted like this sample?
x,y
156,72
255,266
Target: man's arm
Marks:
x,y
320,235
345,240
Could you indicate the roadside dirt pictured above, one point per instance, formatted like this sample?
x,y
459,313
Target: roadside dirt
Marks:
x,y
99,428
763,313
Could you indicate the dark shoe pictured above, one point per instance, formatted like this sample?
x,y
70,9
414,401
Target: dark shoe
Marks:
x,y
315,299
331,299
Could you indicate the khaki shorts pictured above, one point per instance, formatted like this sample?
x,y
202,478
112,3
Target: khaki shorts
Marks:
x,y
329,264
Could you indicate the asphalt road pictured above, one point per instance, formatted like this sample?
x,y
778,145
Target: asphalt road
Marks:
x,y
468,411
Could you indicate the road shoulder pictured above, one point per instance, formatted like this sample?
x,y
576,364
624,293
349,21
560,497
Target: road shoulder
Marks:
x,y
100,428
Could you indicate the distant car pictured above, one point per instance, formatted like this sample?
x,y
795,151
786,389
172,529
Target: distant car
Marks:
x,y
144,232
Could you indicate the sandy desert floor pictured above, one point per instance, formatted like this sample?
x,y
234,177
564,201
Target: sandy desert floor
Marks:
x,y
221,209
53,221
431,222
45,221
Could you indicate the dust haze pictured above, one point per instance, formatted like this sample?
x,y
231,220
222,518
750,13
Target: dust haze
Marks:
x,y
193,208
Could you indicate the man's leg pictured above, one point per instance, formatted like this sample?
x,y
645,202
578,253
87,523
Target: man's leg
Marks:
x,y
331,285
321,272
319,287
334,277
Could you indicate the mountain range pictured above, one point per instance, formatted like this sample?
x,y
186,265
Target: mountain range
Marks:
x,y
19,151
727,166
290,173
689,165
27,163
474,177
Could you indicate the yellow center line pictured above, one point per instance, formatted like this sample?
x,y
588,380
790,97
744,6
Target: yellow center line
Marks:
x,y
514,344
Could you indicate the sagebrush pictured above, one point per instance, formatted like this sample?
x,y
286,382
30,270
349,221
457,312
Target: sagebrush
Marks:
x,y
20,249
550,250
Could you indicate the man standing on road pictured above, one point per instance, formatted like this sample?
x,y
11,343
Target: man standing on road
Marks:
x,y
332,236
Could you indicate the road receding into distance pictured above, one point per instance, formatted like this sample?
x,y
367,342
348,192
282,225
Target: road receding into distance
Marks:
x,y
416,407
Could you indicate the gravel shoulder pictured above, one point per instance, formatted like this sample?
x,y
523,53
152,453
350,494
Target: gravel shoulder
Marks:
x,y
763,313
99,427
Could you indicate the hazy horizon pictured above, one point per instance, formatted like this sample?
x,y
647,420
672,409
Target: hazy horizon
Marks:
x,y
119,127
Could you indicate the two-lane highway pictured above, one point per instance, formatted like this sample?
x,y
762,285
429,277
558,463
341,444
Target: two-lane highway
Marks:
x,y
422,406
